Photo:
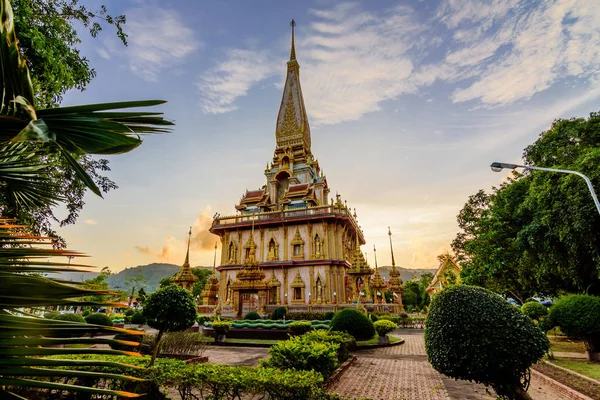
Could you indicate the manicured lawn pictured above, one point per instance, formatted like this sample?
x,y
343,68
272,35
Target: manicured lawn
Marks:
x,y
563,344
584,367
375,341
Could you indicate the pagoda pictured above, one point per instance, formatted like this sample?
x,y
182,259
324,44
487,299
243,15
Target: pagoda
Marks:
x,y
185,277
210,294
378,284
395,280
288,230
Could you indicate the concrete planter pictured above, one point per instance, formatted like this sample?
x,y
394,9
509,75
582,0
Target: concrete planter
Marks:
x,y
384,340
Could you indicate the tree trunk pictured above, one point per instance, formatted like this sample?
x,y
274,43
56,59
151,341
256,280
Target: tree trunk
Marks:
x,y
515,392
156,347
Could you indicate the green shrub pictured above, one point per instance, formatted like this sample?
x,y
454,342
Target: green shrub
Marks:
x,y
212,380
353,322
306,316
383,327
344,340
221,327
296,353
278,313
138,318
578,316
117,316
201,319
529,300
51,314
85,313
329,315
129,312
534,310
99,319
300,327
252,315
128,337
70,317
474,334
373,317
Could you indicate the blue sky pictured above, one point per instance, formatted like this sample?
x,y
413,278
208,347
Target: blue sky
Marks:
x,y
409,103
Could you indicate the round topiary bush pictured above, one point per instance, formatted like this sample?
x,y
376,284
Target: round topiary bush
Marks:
x,y
138,318
474,334
278,313
99,319
300,327
353,322
129,312
70,317
534,310
221,327
383,327
51,314
252,315
85,313
329,315
578,315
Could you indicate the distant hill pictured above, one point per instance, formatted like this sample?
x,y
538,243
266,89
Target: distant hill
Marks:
x,y
73,276
405,273
152,273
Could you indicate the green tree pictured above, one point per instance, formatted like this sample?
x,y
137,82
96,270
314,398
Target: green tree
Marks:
x,y
169,309
539,232
133,283
141,296
48,42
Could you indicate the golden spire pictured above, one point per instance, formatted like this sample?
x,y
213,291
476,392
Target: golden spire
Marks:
x,y
293,51
252,245
187,255
391,247
375,253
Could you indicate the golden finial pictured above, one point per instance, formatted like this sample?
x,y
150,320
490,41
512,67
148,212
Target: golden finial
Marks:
x,y
293,51
391,247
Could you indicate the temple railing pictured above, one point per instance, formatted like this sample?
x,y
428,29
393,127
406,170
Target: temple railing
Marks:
x,y
227,310
285,215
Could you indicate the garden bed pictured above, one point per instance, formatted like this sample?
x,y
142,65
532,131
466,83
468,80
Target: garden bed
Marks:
x,y
572,381
249,333
374,343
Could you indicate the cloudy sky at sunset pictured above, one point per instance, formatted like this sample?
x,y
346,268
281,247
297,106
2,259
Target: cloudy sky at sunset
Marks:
x,y
409,102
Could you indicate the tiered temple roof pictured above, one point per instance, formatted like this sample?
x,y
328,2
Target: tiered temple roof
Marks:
x,y
185,277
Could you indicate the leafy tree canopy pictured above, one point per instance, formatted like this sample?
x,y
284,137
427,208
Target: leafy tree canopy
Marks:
x,y
538,232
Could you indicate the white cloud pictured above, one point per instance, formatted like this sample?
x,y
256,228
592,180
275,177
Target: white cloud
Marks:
x,y
90,222
494,53
221,86
158,40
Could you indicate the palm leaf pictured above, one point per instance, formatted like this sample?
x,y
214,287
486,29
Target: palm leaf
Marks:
x,y
24,338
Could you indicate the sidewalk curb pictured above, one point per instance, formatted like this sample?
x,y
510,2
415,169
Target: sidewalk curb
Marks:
x,y
338,372
570,393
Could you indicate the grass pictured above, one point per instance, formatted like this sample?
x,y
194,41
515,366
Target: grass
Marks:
x,y
584,367
375,341
252,341
77,346
566,345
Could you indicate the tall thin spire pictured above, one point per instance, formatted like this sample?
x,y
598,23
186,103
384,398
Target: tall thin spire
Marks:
x,y
293,51
187,254
375,253
391,247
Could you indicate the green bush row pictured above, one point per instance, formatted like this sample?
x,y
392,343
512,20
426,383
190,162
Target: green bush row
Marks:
x,y
405,322
222,382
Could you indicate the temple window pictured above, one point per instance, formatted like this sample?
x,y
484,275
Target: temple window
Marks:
x,y
273,251
247,253
297,250
297,293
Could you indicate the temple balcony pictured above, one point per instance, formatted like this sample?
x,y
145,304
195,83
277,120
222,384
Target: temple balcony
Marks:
x,y
333,212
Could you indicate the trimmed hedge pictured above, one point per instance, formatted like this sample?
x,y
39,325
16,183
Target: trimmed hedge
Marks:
x,y
306,316
534,310
383,327
329,315
212,380
129,312
221,327
252,315
51,314
278,313
300,354
70,317
138,318
578,316
300,327
353,322
344,340
474,334
99,319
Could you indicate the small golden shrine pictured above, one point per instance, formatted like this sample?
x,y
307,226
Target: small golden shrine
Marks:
x,y
448,273
360,274
185,277
395,280
210,294
250,280
378,284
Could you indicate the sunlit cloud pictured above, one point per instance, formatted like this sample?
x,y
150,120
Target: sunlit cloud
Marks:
x,y
90,222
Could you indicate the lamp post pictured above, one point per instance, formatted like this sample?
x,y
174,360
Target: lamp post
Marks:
x,y
498,166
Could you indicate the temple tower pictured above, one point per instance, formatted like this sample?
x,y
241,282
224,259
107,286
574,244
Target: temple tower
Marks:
x,y
185,277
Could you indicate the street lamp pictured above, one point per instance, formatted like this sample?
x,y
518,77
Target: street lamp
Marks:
x,y
498,166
